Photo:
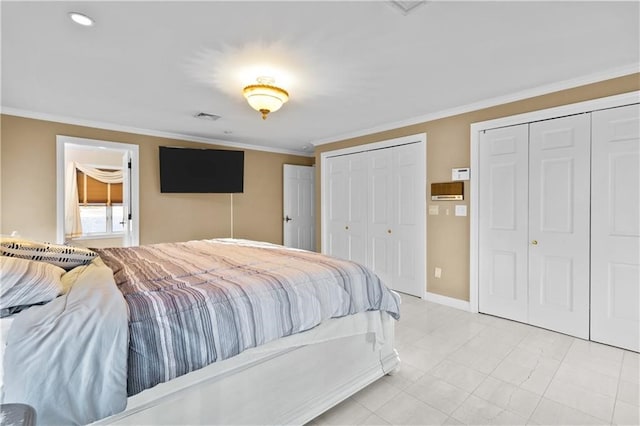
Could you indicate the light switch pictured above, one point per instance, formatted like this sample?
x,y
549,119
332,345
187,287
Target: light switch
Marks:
x,y
461,210
434,210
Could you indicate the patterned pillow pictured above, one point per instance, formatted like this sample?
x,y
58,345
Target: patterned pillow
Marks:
x,y
66,257
25,282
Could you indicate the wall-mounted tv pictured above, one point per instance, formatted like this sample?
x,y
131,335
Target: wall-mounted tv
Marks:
x,y
201,170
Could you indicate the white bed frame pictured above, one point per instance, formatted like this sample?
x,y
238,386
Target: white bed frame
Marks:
x,y
285,386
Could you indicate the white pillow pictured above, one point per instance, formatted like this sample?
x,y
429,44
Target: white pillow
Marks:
x,y
66,257
27,282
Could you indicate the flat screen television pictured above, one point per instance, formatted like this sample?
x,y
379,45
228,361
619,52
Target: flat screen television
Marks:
x,y
201,170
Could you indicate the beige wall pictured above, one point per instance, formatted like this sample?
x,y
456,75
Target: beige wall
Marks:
x,y
28,187
448,146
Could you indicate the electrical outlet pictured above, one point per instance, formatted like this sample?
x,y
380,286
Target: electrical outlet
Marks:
x,y
438,272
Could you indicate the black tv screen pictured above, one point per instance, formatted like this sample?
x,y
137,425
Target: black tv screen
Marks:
x,y
201,170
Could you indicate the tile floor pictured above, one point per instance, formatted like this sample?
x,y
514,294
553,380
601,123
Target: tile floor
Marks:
x,y
463,368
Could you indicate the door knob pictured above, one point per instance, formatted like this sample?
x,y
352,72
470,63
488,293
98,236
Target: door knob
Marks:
x,y
287,218
534,242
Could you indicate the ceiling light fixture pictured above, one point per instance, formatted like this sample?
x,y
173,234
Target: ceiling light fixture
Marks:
x,y
81,19
265,97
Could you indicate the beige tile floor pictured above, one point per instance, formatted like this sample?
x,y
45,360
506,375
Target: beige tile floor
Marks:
x,y
462,368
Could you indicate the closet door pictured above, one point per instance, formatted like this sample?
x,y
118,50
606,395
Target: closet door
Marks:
x,y
407,227
396,228
381,199
503,183
615,250
347,210
559,181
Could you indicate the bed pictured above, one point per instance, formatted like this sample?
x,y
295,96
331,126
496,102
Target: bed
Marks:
x,y
281,335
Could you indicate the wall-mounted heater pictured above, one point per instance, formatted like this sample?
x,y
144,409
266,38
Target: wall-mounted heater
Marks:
x,y
447,191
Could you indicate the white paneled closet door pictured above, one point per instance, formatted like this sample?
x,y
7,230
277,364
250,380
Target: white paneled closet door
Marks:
x,y
396,227
534,223
503,182
559,180
376,204
408,231
381,184
615,250
347,207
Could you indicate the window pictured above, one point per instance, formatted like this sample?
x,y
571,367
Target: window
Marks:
x,y
101,209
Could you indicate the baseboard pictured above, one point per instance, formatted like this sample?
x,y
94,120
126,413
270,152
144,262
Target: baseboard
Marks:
x,y
447,301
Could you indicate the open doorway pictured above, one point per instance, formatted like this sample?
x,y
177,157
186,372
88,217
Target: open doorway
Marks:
x,y
97,193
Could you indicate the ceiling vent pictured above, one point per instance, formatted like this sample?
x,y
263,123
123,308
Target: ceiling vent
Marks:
x,y
406,7
207,116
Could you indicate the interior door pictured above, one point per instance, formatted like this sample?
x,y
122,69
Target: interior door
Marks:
x,y
347,204
503,212
559,185
299,210
615,250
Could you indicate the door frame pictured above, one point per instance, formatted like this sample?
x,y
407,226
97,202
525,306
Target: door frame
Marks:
x,y
420,138
134,207
529,117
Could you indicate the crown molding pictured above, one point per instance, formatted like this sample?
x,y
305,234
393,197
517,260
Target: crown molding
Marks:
x,y
147,132
487,103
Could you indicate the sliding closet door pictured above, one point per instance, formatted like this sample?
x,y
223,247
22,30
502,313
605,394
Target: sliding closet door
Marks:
x,y
559,180
503,182
615,251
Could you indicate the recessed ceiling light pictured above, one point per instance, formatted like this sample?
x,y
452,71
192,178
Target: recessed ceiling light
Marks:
x,y
81,19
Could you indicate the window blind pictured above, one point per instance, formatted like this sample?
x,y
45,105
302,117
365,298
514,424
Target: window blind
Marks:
x,y
92,191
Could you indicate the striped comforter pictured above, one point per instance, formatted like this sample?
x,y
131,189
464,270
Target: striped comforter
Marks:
x,y
198,302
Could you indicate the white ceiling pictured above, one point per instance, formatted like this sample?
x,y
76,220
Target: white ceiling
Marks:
x,y
349,66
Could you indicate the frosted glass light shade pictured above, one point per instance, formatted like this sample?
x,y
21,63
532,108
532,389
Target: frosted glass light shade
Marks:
x,y
265,98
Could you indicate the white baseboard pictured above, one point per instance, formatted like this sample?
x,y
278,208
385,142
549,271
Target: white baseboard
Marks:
x,y
447,301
